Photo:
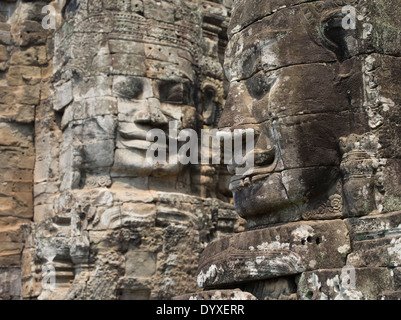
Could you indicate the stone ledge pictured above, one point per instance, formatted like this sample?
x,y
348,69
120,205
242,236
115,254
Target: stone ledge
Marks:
x,y
235,294
272,252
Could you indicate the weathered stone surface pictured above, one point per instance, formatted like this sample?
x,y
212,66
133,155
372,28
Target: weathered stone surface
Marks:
x,y
374,226
27,33
19,75
10,279
281,288
17,113
5,37
246,12
29,56
235,294
111,227
375,240
21,90
63,95
367,284
323,100
276,251
3,53
383,252
78,195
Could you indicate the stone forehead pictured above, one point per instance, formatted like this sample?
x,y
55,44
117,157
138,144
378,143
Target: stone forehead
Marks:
x,y
256,23
246,13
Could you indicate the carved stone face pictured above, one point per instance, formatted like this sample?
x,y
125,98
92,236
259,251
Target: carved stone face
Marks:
x,y
123,86
121,69
151,103
297,81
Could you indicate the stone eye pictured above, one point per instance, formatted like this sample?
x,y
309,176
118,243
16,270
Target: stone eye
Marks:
x,y
174,92
259,85
131,88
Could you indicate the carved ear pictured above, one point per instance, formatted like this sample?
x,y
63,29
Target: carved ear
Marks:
x,y
208,104
339,34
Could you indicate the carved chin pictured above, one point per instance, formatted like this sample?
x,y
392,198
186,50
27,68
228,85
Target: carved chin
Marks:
x,y
285,192
262,198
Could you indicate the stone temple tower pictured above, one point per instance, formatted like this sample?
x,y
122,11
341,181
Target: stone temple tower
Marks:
x,y
319,82
83,215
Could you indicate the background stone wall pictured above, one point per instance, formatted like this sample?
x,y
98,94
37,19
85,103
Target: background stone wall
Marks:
x,y
24,77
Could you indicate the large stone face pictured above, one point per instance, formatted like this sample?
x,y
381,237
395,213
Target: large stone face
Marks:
x,y
119,226
314,91
79,197
322,98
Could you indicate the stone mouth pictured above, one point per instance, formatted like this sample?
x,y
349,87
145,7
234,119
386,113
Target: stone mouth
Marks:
x,y
252,176
133,134
137,139
136,144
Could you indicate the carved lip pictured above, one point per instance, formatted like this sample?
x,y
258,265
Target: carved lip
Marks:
x,y
136,144
133,134
257,175
136,139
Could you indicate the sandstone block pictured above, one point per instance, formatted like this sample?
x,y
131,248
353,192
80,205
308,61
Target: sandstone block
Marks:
x,y
271,252
160,11
3,53
21,75
17,113
345,284
10,283
29,33
235,294
63,96
140,264
5,37
29,56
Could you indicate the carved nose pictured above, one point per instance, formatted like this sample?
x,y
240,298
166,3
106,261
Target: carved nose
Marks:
x,y
238,108
152,114
264,157
263,152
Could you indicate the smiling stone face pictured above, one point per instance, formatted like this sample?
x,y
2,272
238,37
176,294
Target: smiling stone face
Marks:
x,y
150,103
120,86
122,69
323,98
298,79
